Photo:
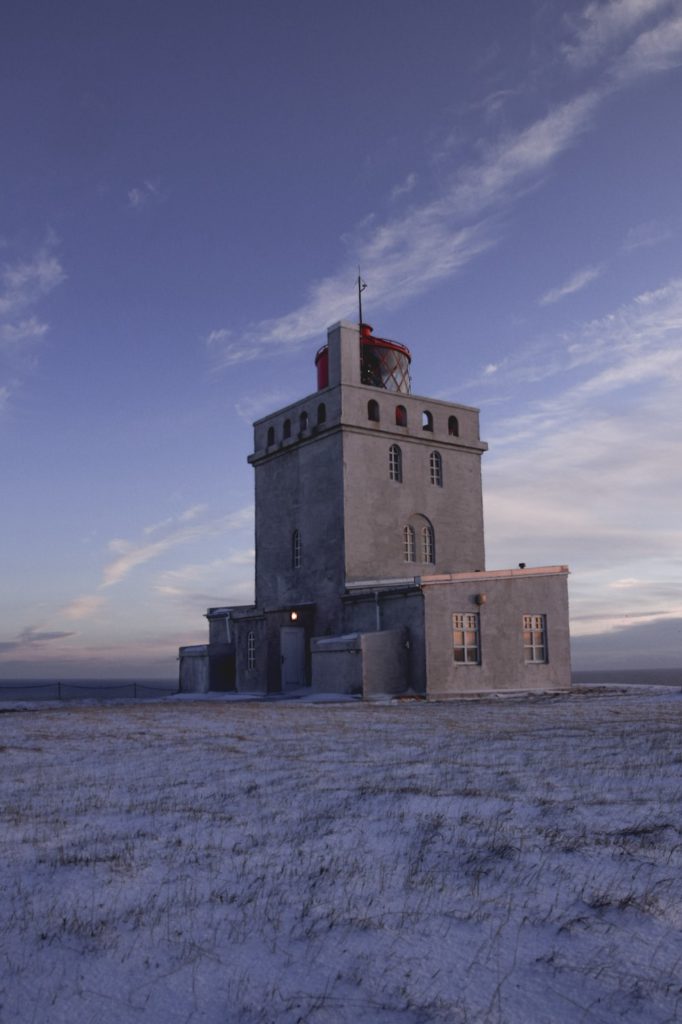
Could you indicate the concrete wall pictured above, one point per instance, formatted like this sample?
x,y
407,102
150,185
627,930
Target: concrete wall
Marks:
x,y
508,596
194,669
337,664
300,488
384,662
360,663
401,610
377,508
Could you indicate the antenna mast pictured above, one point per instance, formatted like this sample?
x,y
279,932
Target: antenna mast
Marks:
x,y
361,288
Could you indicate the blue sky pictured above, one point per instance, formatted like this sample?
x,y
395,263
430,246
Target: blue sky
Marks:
x,y
185,194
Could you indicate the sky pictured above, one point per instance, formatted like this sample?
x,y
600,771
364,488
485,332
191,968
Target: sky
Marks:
x,y
186,192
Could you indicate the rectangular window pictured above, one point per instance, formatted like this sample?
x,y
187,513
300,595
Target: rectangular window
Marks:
x,y
534,639
466,638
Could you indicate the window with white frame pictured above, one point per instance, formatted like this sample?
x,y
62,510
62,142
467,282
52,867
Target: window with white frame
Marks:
x,y
251,650
409,544
535,639
395,463
428,545
436,469
296,550
466,642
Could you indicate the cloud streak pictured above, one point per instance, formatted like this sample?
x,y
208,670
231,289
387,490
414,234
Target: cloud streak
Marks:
x,y
26,282
31,638
601,26
588,474
574,284
428,243
130,555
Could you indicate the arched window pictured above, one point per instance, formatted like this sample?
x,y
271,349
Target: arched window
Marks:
x,y
427,420
436,469
419,531
428,545
271,436
296,550
251,650
303,421
373,410
321,413
286,430
400,416
453,426
395,463
409,544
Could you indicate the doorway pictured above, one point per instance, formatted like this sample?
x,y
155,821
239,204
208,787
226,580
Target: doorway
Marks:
x,y
292,649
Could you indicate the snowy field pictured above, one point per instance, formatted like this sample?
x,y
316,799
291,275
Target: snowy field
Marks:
x,y
497,861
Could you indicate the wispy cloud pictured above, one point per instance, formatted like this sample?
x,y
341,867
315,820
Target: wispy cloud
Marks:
x,y
588,474
26,281
252,407
83,607
145,193
218,581
410,252
30,638
646,235
601,26
405,187
659,49
575,283
131,554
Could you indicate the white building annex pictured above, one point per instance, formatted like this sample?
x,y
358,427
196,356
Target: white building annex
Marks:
x,y
370,563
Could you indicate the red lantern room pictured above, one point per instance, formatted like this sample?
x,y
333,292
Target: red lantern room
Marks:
x,y
383,363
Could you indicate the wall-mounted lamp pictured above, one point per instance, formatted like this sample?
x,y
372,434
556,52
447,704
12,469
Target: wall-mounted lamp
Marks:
x,y
293,616
481,598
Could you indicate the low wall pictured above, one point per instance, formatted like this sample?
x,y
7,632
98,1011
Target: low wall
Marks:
x,y
194,669
336,664
360,663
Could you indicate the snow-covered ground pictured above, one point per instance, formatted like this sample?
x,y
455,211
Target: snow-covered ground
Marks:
x,y
188,861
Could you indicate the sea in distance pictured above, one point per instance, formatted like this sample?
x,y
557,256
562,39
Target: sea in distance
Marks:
x,y
107,689
72,689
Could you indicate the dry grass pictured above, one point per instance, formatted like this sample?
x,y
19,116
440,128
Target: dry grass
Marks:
x,y
206,862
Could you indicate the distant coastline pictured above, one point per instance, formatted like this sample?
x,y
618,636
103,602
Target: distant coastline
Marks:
x,y
70,689
628,677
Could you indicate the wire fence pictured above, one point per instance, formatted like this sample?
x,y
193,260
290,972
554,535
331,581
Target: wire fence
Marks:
x,y
72,691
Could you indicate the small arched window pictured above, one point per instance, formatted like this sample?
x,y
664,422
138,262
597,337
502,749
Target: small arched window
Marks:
x,y
453,426
436,469
321,413
303,421
409,544
395,463
286,430
400,416
427,420
296,549
373,410
428,545
271,436
251,650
